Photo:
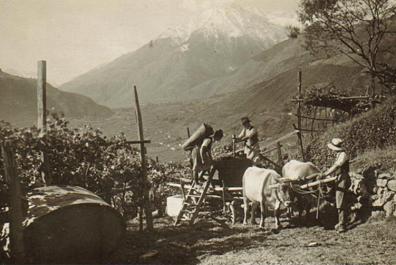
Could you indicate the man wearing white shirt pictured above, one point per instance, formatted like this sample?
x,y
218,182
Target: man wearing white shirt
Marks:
x,y
341,169
249,136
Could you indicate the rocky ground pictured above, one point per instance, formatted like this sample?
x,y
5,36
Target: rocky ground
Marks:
x,y
210,242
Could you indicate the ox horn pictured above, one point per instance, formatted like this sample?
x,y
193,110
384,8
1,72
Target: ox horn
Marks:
x,y
274,186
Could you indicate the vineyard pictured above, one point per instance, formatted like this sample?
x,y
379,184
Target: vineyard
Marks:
x,y
108,167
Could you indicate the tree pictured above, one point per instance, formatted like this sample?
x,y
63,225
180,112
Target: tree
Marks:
x,y
355,28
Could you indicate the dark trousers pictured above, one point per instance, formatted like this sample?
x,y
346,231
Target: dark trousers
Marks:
x,y
342,185
342,217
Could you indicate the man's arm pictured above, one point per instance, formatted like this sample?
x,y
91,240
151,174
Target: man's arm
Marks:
x,y
342,158
240,136
250,133
205,150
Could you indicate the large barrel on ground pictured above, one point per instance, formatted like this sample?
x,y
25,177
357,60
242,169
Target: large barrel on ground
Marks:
x,y
198,136
70,225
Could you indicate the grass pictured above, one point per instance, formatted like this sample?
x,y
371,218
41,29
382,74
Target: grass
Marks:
x,y
386,158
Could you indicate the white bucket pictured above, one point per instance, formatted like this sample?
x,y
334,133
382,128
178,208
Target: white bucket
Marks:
x,y
174,205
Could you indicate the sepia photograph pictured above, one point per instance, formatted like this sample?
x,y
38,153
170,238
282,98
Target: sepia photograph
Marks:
x,y
218,132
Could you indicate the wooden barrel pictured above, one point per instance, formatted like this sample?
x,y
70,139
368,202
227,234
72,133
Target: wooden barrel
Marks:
x,y
197,137
70,225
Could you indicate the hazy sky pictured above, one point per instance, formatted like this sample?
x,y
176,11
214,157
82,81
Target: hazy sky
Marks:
x,y
75,36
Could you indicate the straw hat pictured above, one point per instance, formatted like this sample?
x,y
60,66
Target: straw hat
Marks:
x,y
336,144
245,120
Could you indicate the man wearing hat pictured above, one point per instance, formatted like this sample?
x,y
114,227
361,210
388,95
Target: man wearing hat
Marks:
x,y
342,183
249,135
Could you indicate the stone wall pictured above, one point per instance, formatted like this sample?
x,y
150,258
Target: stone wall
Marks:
x,y
376,190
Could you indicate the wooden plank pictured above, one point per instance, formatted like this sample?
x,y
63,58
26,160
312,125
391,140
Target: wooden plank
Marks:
x,y
355,97
290,134
318,182
269,151
146,199
230,189
186,180
314,118
219,189
311,130
16,212
295,100
139,142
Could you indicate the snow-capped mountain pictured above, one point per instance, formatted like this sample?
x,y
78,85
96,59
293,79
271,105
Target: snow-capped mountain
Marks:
x,y
175,66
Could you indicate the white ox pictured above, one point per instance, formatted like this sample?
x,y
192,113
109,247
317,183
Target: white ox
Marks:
x,y
299,171
266,187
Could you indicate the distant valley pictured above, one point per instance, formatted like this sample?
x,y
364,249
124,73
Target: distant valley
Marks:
x,y
18,102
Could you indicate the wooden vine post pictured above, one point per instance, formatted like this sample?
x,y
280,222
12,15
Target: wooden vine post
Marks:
x,y
146,187
42,112
299,128
279,153
16,213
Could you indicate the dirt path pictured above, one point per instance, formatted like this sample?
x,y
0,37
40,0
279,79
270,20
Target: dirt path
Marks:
x,y
209,243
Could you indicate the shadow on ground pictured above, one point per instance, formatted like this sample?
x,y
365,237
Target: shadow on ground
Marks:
x,y
184,244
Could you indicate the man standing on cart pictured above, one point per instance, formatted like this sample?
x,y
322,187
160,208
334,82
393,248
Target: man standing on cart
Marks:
x,y
202,156
342,183
249,136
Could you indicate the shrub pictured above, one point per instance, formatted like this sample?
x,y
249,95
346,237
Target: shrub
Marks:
x,y
375,129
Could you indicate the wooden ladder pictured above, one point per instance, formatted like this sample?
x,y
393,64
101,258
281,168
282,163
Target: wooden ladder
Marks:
x,y
191,206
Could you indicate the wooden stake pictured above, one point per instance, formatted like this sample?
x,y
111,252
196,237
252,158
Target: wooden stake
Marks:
x,y
146,199
42,96
299,134
16,212
188,132
42,113
233,146
279,148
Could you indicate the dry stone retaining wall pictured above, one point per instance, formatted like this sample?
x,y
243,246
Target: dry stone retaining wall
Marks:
x,y
378,188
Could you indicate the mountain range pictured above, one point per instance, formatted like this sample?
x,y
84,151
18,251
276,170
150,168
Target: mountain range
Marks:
x,y
206,57
18,102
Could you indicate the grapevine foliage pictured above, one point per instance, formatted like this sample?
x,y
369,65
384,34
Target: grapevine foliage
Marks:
x,y
109,167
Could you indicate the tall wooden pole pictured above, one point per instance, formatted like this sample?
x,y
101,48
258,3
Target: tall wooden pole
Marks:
x,y
146,199
299,134
42,95
279,153
16,213
42,112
